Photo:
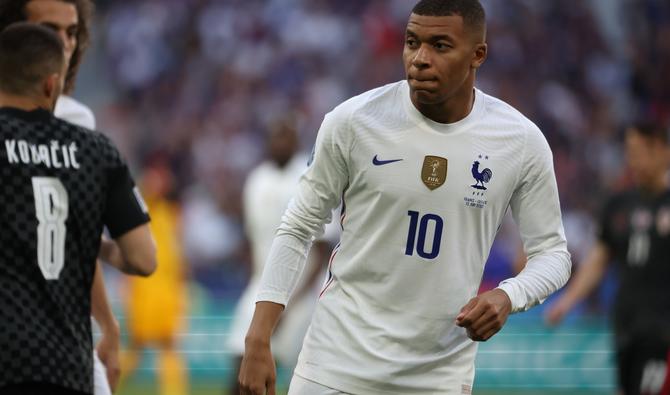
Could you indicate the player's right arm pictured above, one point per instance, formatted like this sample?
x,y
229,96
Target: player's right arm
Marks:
x,y
258,367
319,191
110,340
591,271
585,281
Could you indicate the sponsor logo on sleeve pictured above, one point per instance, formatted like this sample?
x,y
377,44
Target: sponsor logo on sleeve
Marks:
x,y
140,200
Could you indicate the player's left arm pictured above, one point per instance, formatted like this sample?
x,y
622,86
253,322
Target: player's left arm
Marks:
x,y
110,252
133,253
126,216
536,210
110,341
138,251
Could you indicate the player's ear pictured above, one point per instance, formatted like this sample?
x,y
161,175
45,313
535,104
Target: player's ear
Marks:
x,y
52,87
479,56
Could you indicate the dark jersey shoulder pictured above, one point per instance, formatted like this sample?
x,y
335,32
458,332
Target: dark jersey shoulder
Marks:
x,y
613,220
61,184
635,227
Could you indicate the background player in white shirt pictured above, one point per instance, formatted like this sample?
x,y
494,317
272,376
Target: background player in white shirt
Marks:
x,y
267,192
70,19
427,169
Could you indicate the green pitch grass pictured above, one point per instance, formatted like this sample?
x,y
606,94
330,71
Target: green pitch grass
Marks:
x,y
144,387
525,358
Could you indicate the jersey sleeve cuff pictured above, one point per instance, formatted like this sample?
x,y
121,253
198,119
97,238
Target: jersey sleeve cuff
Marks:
x,y
516,295
274,297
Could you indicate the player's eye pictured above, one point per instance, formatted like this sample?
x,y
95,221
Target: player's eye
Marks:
x,y
411,42
442,46
72,33
51,27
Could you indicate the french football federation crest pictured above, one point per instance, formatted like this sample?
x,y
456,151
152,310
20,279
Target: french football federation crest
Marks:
x,y
434,171
481,177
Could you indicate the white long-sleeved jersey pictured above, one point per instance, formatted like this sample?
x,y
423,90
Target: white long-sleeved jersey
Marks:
x,y
423,202
267,191
75,112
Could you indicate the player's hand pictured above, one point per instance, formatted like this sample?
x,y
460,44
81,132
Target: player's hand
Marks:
x,y
557,312
108,351
484,315
257,372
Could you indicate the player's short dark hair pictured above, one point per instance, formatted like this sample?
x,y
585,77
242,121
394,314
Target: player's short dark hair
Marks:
x,y
471,11
12,11
29,53
651,131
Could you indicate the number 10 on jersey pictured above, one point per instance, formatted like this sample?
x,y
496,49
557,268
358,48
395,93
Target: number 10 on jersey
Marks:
x,y
423,222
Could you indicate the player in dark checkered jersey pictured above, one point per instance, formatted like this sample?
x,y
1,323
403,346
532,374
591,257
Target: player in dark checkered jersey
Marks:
x,y
60,185
70,20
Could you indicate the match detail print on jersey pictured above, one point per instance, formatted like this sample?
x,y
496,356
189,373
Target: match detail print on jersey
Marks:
x,y
434,171
51,210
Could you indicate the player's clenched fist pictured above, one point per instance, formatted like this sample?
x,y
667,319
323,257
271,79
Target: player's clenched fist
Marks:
x,y
485,314
257,373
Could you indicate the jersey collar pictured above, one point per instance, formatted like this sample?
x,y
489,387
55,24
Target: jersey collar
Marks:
x,y
38,114
442,128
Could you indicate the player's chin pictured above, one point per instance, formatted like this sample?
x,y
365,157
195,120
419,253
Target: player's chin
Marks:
x,y
425,96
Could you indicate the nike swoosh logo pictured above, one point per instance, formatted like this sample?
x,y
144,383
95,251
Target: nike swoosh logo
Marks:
x,y
378,162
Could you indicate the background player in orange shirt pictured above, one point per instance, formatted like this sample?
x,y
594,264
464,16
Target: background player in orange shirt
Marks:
x,y
156,306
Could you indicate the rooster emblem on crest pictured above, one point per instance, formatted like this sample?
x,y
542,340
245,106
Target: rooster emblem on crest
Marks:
x,y
481,177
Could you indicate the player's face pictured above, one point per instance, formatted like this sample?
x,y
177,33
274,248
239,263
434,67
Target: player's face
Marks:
x,y
647,158
282,145
440,55
59,16
157,181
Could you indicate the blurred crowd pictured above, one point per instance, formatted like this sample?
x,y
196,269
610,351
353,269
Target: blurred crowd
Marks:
x,y
200,82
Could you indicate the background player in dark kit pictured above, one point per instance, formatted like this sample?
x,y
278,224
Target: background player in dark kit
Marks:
x,y
635,233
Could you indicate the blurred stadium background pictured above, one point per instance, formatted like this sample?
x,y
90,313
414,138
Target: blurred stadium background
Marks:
x,y
198,82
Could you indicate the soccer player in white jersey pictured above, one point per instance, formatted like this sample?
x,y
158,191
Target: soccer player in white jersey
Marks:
x,y
70,19
427,168
267,192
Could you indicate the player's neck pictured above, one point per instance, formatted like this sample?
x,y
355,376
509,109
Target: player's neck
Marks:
x,y
658,185
25,103
452,110
662,183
